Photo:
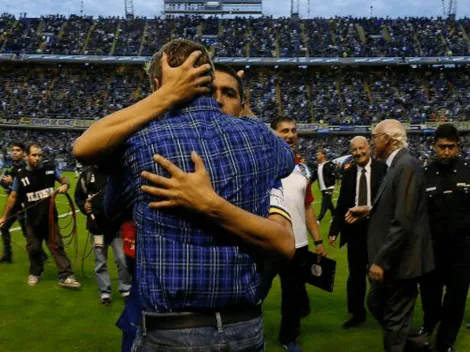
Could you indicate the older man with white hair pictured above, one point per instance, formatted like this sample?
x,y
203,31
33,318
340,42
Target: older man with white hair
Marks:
x,y
399,240
359,186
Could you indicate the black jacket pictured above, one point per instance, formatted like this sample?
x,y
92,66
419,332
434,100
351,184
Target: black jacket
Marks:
x,y
92,182
399,236
330,174
347,199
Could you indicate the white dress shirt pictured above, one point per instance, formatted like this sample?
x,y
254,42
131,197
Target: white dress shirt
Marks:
x,y
358,179
391,157
321,182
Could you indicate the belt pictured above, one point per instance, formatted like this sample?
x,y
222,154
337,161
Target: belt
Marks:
x,y
183,320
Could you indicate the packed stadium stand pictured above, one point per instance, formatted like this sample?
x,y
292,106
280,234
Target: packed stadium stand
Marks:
x,y
322,94
254,37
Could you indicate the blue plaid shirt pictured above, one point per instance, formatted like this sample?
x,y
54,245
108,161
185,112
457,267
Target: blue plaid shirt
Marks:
x,y
183,260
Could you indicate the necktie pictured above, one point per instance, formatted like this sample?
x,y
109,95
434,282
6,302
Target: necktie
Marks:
x,y
362,198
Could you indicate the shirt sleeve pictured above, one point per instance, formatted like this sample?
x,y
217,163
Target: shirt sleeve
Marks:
x,y
308,194
277,204
16,185
58,174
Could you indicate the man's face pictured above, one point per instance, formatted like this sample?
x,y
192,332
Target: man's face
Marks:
x,y
226,94
287,130
320,157
446,150
17,153
379,143
360,150
34,157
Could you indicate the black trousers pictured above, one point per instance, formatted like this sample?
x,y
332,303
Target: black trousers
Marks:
x,y
357,279
326,203
294,297
453,273
6,237
392,305
35,236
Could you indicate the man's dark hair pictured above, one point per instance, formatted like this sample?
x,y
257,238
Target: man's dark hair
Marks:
x,y
447,131
178,51
277,121
19,145
230,71
32,145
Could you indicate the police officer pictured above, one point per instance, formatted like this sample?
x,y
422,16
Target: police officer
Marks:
x,y
89,196
34,186
17,156
448,193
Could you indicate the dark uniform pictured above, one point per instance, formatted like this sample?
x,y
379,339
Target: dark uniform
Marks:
x,y
34,189
15,213
448,193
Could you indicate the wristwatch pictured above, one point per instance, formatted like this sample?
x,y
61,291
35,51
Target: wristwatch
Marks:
x,y
319,242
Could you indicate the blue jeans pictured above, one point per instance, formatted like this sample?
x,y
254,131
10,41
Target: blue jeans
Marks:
x,y
246,336
101,267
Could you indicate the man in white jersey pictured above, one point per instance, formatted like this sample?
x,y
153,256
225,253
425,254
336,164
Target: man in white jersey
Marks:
x,y
298,199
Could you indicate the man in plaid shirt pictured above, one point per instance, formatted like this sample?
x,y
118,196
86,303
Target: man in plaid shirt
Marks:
x,y
198,281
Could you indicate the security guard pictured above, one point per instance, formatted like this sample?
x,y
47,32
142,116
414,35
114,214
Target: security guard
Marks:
x,y
448,193
17,156
34,186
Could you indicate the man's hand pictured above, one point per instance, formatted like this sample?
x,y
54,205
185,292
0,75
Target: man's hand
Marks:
x,y
87,206
357,213
185,82
8,180
320,250
189,190
332,240
376,273
63,189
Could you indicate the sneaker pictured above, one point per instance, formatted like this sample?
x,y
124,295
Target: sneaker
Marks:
x,y
105,299
70,282
5,260
33,280
125,294
292,347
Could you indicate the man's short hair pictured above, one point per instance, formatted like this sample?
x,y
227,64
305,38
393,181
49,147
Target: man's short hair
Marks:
x,y
447,131
230,71
19,145
32,145
178,51
277,121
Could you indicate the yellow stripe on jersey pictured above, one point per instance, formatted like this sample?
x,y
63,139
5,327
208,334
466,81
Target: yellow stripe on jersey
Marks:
x,y
279,211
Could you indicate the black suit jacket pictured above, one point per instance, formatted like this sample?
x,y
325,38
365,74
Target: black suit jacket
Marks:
x,y
347,199
399,236
330,174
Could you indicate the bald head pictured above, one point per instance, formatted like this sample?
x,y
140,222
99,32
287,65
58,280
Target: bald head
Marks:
x,y
360,150
388,136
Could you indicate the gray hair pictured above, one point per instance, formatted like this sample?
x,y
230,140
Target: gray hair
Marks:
x,y
396,131
358,138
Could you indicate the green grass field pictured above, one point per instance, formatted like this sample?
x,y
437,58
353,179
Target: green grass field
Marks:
x,y
50,318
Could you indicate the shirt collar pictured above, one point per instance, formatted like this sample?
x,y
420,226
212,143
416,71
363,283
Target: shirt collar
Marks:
x,y
198,104
391,157
367,167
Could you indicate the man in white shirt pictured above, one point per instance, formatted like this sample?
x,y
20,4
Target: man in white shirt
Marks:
x,y
326,182
298,200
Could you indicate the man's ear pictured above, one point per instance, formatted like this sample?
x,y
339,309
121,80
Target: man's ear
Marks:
x,y
156,84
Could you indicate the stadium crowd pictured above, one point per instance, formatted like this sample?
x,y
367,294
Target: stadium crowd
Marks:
x,y
238,37
330,95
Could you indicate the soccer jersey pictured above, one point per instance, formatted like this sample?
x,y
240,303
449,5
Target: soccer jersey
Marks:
x,y
297,189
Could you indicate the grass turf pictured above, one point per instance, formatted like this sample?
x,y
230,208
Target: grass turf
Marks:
x,y
50,318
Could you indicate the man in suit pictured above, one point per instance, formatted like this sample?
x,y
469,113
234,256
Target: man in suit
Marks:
x,y
358,188
326,173
399,241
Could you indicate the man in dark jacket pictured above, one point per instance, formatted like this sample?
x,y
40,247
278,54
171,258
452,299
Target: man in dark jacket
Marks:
x,y
326,173
358,187
399,241
89,196
447,189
